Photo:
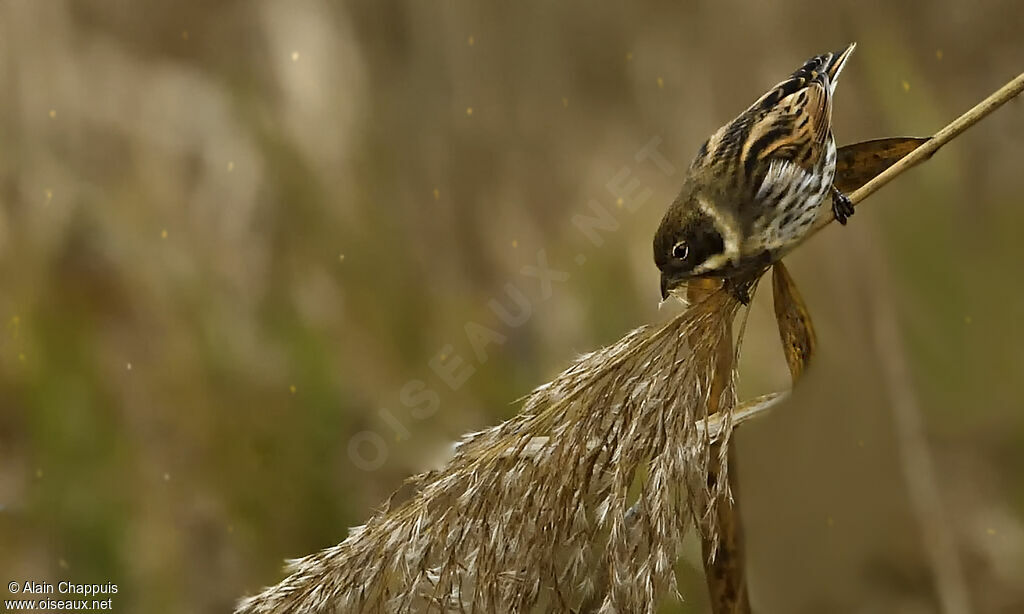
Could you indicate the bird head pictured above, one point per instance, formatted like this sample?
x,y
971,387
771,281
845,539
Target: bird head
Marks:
x,y
687,242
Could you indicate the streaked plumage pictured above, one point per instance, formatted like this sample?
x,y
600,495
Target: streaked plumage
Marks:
x,y
757,184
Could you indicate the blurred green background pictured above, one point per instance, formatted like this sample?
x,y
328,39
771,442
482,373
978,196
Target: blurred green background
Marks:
x,y
232,232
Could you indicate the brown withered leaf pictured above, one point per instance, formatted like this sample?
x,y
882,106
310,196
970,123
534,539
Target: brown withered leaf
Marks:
x,y
795,328
859,163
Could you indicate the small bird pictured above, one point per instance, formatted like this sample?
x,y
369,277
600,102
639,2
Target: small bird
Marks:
x,y
757,185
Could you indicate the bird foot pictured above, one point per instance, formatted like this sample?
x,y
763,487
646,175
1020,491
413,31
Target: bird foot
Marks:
x,y
740,288
842,208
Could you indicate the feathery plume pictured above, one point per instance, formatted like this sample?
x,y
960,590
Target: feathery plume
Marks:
x,y
601,473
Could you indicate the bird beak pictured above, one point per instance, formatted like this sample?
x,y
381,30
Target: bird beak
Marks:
x,y
670,281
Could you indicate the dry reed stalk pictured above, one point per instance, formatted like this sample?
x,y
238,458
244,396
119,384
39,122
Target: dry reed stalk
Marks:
x,y
603,469
722,543
932,145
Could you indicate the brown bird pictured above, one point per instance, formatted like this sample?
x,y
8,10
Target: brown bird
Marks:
x,y
757,185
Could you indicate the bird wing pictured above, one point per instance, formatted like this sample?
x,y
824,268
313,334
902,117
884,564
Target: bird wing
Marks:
x,y
794,128
790,122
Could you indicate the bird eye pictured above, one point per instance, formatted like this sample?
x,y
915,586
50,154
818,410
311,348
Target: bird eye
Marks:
x,y
680,250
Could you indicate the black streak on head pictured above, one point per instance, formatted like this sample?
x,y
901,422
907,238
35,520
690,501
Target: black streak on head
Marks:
x,y
697,231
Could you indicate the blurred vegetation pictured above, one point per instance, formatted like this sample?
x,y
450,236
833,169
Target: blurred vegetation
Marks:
x,y
231,232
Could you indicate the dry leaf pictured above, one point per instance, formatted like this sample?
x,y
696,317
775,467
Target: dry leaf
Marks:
x,y
859,163
795,328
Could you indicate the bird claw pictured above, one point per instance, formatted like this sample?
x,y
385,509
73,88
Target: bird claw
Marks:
x,y
740,289
842,208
